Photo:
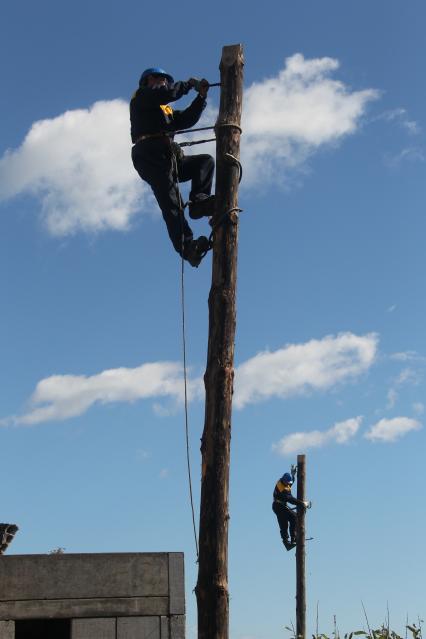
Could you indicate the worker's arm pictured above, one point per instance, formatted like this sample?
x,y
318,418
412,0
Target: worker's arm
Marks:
x,y
163,95
297,502
189,117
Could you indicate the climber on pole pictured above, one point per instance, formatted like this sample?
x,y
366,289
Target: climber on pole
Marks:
x,y
7,533
287,517
161,162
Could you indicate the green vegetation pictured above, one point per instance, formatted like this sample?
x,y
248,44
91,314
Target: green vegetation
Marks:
x,y
383,632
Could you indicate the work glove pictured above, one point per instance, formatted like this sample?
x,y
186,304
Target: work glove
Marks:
x,y
202,86
308,504
195,83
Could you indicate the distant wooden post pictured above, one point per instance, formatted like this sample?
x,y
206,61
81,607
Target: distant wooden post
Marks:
x,y
212,585
300,551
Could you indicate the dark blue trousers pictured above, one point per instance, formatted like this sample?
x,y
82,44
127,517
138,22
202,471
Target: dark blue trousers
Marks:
x,y
286,520
153,160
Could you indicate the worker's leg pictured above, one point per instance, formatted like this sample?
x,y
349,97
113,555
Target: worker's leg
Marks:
x,y
199,169
282,517
293,522
156,169
167,196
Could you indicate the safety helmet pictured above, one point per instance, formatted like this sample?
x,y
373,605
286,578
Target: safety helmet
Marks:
x,y
155,71
287,478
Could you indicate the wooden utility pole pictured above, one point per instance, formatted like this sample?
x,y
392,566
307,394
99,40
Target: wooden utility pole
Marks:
x,y
212,585
300,551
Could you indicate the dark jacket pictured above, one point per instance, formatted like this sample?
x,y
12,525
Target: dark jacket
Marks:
x,y
282,495
151,113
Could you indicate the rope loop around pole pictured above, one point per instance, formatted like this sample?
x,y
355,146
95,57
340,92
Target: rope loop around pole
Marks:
x,y
215,225
220,125
233,160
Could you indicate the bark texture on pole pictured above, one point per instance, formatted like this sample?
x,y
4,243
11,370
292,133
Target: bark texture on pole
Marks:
x,y
212,586
300,551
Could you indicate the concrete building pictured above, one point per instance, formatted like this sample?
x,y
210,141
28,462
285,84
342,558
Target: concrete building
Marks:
x,y
92,596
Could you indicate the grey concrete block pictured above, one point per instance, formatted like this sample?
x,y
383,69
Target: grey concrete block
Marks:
x,y
74,608
177,627
7,630
138,628
93,629
176,584
74,576
164,626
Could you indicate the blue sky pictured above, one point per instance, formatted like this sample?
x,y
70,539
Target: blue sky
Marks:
x,y
330,346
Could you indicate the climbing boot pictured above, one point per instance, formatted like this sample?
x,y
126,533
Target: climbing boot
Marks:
x,y
288,544
201,206
195,250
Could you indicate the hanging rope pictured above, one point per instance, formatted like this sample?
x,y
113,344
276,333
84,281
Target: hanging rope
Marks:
x,y
188,460
185,380
230,158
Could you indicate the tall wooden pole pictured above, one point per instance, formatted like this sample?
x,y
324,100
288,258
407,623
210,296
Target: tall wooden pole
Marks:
x,y
300,551
212,585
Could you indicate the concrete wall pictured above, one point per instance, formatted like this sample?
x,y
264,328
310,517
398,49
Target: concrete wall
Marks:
x,y
7,630
107,596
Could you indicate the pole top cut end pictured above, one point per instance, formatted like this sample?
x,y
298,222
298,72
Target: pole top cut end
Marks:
x,y
301,458
231,54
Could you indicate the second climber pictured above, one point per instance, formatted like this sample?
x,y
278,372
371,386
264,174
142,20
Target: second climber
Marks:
x,y
287,518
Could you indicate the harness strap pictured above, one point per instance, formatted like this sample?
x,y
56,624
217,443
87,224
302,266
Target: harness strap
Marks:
x,y
149,136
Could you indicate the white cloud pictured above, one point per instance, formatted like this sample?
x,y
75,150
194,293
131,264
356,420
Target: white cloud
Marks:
x,y
164,411
390,430
60,397
288,117
418,408
78,164
406,356
292,370
408,376
392,397
300,368
299,442
409,154
412,127
400,116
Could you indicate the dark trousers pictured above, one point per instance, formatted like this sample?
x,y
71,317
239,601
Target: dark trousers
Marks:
x,y
286,520
153,160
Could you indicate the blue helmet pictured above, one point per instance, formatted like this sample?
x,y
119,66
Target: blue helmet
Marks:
x,y
155,71
287,478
